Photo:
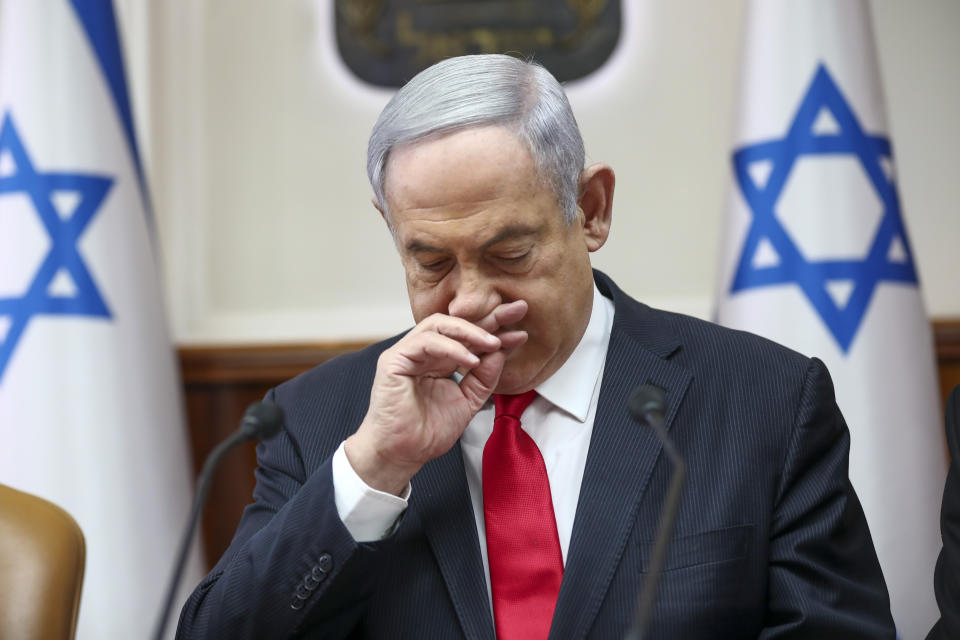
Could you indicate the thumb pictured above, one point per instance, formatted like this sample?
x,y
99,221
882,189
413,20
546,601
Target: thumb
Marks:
x,y
480,382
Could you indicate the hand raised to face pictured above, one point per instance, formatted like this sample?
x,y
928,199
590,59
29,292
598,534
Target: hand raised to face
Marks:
x,y
417,410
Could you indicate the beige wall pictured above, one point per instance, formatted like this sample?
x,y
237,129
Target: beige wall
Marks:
x,y
254,138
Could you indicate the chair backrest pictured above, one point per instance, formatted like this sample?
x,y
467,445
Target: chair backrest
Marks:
x,y
42,555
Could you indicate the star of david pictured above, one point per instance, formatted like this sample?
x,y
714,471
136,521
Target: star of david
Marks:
x,y
64,228
888,258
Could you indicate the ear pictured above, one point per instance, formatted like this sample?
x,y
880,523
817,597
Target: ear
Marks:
x,y
383,214
596,203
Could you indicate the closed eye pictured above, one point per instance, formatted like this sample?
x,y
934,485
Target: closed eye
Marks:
x,y
515,257
434,266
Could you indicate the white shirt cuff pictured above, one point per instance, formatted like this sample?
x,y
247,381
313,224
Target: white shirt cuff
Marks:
x,y
368,514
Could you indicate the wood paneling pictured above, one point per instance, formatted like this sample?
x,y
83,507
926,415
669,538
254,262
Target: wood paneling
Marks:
x,y
220,382
946,335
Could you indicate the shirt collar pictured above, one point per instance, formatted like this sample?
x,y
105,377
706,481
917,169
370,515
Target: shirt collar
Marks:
x,y
571,387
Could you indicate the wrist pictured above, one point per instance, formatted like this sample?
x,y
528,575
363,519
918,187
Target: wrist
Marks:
x,y
376,471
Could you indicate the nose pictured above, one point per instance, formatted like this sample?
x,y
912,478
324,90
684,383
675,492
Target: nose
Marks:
x,y
475,296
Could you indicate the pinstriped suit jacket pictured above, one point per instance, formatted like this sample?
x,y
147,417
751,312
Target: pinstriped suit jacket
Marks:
x,y
770,539
946,578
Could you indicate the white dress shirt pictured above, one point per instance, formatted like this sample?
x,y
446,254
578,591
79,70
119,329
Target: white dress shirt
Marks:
x,y
559,420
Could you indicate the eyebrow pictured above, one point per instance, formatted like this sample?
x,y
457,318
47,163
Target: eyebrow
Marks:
x,y
508,232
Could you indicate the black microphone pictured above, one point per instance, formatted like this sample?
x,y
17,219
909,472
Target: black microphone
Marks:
x,y
262,420
648,406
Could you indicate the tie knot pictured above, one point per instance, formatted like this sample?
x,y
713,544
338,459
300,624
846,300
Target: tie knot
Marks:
x,y
513,405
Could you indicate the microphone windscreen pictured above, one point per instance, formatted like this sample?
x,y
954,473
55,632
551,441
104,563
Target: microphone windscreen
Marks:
x,y
262,420
647,399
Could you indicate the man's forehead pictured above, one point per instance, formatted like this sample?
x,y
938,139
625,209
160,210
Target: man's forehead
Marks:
x,y
470,165
426,243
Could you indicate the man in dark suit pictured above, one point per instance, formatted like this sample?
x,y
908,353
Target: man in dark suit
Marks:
x,y
946,579
421,489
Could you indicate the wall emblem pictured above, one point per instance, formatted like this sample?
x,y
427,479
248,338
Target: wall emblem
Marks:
x,y
387,42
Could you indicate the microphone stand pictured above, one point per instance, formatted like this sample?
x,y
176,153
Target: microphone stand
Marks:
x,y
203,486
648,406
260,421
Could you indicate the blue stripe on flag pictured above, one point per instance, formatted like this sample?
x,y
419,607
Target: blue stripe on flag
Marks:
x,y
100,25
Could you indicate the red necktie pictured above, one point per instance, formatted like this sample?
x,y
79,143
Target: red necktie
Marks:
x,y
523,549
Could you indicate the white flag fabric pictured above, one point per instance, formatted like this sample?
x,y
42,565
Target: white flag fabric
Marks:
x,y
90,408
815,255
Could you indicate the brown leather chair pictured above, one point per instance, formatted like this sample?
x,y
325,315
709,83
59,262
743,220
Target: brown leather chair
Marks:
x,y
42,555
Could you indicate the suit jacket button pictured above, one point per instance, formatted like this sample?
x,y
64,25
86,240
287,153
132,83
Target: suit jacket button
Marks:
x,y
325,562
318,574
302,592
296,604
310,582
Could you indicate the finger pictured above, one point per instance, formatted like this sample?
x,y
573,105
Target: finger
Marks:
x,y
453,351
510,339
480,381
511,312
504,314
476,340
474,337
429,354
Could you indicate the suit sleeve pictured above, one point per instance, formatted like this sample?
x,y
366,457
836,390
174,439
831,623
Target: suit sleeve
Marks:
x,y
824,577
292,564
946,577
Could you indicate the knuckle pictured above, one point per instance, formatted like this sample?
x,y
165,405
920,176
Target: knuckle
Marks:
x,y
435,319
385,357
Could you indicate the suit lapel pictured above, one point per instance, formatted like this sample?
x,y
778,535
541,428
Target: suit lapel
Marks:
x,y
619,463
442,502
620,460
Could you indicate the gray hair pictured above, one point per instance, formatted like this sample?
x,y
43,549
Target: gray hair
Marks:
x,y
477,90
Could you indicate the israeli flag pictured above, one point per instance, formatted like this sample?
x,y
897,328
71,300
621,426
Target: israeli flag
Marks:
x,y
90,408
816,255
